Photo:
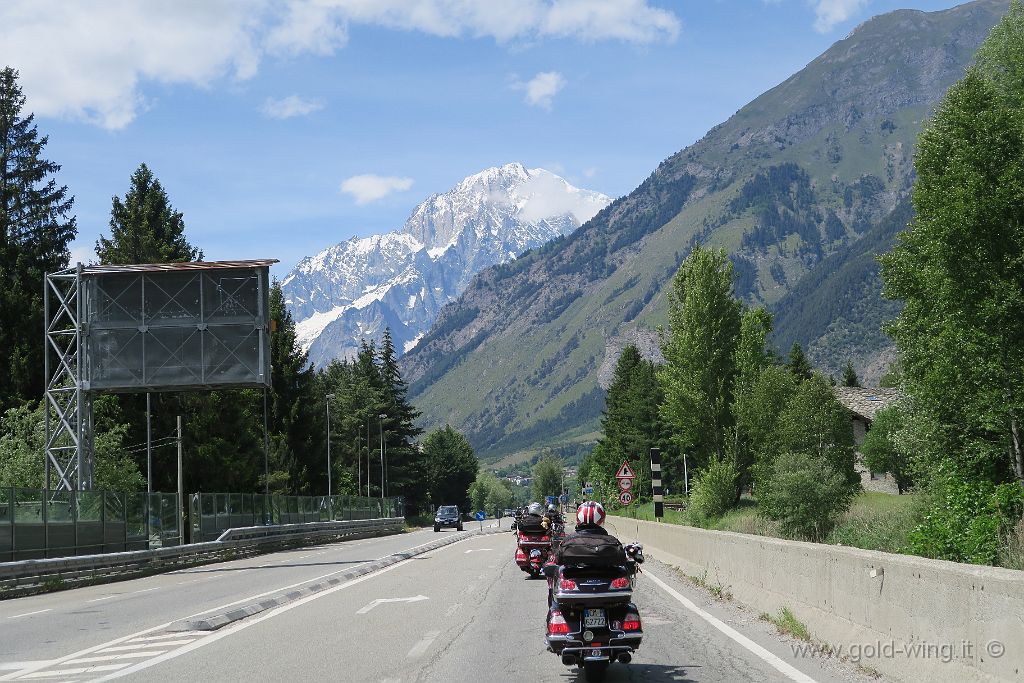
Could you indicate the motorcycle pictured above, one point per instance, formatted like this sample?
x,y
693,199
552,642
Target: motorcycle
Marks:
x,y
592,620
532,551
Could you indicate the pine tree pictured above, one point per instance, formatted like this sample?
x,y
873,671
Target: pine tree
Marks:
x,y
404,467
850,376
798,363
293,403
631,424
145,228
35,230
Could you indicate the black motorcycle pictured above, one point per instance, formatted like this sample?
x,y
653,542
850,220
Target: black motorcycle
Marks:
x,y
592,621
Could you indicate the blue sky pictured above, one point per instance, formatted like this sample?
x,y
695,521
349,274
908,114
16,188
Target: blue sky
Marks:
x,y
279,128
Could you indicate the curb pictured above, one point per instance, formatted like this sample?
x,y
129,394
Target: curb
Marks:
x,y
217,621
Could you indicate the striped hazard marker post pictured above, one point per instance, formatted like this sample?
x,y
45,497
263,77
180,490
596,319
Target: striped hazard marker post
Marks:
x,y
659,499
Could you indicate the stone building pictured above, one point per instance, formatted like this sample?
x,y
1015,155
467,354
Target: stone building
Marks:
x,y
863,404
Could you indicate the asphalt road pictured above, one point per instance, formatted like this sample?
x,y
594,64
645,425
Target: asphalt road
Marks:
x,y
463,612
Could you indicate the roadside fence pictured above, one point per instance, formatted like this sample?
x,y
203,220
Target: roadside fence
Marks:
x,y
38,524
211,514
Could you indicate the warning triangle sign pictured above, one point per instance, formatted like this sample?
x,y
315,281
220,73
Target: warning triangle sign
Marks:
x,y
625,472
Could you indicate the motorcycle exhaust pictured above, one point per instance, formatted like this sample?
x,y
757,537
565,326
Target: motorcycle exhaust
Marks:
x,y
569,660
625,658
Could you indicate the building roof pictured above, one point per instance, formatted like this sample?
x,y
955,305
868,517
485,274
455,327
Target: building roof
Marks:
x,y
170,267
866,402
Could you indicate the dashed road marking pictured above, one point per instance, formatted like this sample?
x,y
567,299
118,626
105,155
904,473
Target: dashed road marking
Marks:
x,y
28,614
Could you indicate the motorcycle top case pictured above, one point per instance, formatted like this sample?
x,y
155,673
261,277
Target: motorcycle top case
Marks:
x,y
531,524
592,551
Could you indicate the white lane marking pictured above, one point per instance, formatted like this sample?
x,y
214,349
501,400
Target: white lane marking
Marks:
x,y
421,647
477,550
292,559
28,614
145,590
259,618
18,666
381,601
106,597
80,670
453,609
122,655
786,669
160,627
170,636
143,646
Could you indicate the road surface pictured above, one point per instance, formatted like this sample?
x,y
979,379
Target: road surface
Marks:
x,y
463,612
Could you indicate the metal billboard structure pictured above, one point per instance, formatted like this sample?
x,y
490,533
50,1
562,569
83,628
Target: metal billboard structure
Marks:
x,y
146,328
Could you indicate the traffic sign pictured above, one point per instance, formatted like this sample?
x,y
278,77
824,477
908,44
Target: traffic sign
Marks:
x,y
625,497
625,472
480,515
588,491
564,498
625,484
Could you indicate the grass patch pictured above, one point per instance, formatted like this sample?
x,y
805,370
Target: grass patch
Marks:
x,y
718,589
875,521
787,624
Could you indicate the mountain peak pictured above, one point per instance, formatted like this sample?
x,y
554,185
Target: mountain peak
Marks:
x,y
401,279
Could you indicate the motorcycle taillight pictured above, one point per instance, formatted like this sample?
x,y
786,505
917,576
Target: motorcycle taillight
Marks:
x,y
620,583
557,624
520,555
567,585
631,622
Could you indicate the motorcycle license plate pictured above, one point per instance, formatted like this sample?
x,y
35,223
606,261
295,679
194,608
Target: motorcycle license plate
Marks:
x,y
594,618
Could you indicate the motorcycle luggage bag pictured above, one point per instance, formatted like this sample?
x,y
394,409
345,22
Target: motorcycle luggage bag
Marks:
x,y
531,525
593,551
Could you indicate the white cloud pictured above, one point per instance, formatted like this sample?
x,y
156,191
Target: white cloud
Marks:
x,y
82,253
291,106
90,60
369,187
590,171
542,88
828,13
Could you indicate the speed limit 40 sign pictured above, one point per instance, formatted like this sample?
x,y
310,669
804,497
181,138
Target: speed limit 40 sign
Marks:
x,y
625,497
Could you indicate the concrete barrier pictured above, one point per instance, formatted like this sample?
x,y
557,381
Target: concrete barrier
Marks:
x,y
910,618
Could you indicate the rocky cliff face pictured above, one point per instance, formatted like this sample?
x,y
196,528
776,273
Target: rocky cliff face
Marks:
x,y
355,289
798,176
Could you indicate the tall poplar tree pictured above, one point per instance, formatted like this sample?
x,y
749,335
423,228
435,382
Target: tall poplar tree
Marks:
x,y
699,350
36,227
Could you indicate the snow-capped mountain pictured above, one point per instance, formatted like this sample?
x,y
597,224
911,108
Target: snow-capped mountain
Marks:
x,y
353,290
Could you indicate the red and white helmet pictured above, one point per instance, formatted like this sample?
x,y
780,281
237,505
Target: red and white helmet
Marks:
x,y
590,513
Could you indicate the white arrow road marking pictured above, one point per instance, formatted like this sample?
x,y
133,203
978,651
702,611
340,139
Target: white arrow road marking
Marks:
x,y
380,601
477,550
453,609
419,648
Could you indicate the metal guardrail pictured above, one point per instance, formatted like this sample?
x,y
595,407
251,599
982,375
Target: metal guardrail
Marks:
x,y
27,576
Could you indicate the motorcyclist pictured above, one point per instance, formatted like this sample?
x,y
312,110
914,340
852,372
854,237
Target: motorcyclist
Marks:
x,y
533,521
590,518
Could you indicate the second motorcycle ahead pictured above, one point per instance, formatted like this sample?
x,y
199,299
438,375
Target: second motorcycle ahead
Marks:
x,y
538,535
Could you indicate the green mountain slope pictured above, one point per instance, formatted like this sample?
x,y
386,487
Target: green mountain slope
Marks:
x,y
803,182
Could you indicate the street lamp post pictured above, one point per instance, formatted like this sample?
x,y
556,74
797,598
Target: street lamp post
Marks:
x,y
359,460
383,483
328,399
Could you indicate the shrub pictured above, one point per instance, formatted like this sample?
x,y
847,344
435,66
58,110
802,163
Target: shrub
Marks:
x,y
714,490
807,496
967,520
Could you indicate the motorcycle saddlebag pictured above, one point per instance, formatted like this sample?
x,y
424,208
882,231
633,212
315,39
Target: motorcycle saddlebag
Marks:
x,y
593,551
